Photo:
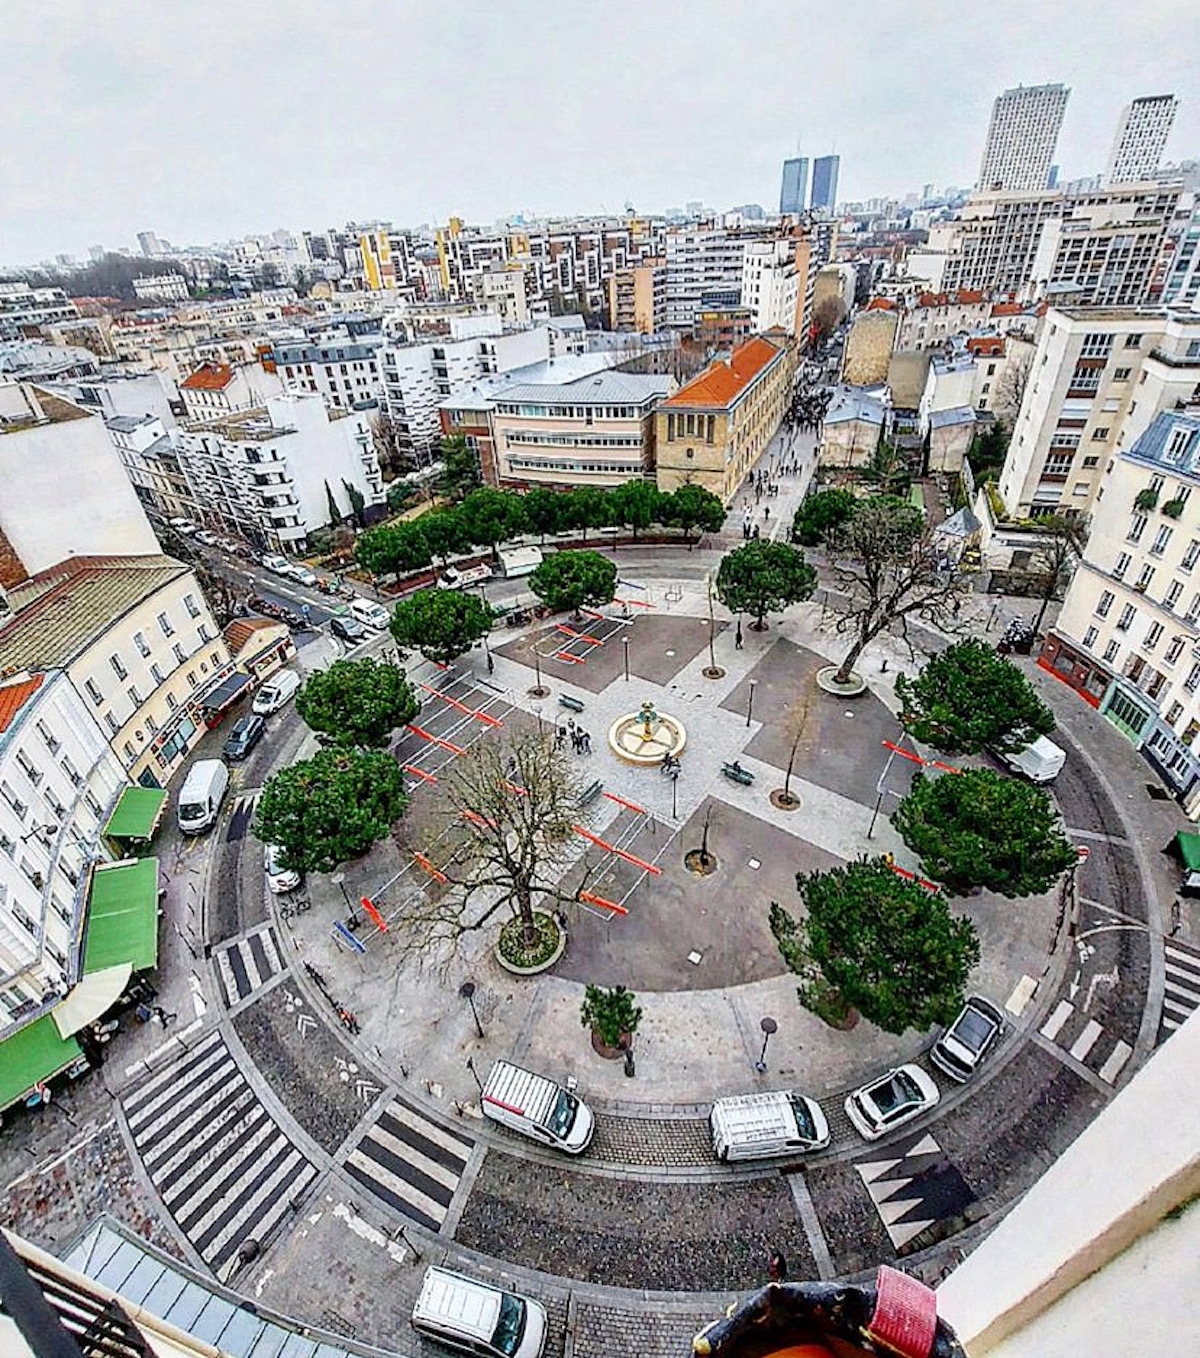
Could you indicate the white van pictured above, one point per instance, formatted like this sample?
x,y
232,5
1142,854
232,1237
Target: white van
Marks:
x,y
1040,762
537,1108
275,692
370,614
759,1126
520,561
201,796
478,1318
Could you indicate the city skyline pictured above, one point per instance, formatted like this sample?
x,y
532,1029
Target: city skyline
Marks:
x,y
290,119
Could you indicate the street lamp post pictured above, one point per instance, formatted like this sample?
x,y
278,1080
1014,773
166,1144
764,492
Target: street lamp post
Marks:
x,y
768,1026
475,1073
674,791
467,992
340,879
750,703
625,643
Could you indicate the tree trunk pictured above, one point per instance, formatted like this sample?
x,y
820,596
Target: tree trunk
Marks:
x,y
787,777
525,910
847,665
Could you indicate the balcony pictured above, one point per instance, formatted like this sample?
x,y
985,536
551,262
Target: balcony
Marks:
x,y
1175,360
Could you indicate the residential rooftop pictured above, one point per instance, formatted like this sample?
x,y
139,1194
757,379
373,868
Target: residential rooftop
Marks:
x,y
723,382
603,388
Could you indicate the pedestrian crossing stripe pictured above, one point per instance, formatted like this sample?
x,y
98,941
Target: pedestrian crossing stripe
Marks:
x,y
411,1163
1059,1029
225,1170
248,964
1181,992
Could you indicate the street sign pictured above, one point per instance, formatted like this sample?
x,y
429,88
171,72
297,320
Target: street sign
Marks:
x,y
1082,852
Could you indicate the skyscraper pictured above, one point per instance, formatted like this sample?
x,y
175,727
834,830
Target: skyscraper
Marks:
x,y
825,178
1021,138
793,192
1141,135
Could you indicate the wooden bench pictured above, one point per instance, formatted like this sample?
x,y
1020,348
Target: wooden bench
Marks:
x,y
591,792
571,704
735,773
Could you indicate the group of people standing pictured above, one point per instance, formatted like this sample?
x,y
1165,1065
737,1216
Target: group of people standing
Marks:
x,y
581,740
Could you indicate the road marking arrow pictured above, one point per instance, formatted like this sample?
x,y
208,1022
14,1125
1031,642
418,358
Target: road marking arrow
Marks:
x,y
304,1023
1108,979
1075,984
365,1090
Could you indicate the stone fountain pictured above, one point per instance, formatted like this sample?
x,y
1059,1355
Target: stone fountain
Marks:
x,y
645,737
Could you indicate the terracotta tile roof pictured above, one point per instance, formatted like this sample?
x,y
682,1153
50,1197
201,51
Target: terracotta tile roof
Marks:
x,y
209,377
1007,309
969,297
881,304
722,383
13,696
240,630
990,345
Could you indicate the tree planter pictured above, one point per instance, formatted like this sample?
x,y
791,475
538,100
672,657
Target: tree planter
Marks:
x,y
612,1018
785,802
853,687
601,1048
540,962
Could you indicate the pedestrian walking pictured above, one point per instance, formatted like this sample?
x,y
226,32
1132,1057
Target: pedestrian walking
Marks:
x,y
575,741
587,742
491,664
777,1266
756,533
737,637
560,737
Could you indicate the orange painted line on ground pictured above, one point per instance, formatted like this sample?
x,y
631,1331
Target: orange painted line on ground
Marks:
x,y
574,659
377,918
429,868
637,603
908,754
587,834
437,740
633,806
912,877
591,612
599,900
946,768
418,773
462,707
579,636
612,848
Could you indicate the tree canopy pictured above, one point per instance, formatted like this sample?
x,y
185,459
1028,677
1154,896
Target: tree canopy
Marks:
x,y
330,808
357,702
820,513
764,577
690,506
441,623
968,698
980,828
493,516
886,945
575,580
460,468
636,504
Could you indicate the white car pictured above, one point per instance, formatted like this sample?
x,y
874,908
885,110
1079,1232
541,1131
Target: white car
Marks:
x,y
279,878
962,1047
303,576
890,1101
209,539
279,564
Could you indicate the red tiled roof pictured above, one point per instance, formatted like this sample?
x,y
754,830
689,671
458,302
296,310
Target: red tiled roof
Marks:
x,y
209,377
969,297
990,345
881,304
240,630
722,383
1007,309
13,697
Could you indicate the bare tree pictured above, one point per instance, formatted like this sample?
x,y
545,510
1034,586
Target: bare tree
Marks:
x,y
507,822
796,725
1057,552
887,564
1010,391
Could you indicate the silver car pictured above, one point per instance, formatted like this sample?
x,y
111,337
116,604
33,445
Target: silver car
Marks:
x,y
961,1049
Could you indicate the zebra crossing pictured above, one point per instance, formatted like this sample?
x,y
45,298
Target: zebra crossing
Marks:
x,y
1086,1040
248,963
1181,994
222,1166
411,1163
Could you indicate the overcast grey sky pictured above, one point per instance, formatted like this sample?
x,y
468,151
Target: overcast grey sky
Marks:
x,y
205,119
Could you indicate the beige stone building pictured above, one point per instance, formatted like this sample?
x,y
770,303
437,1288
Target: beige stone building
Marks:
x,y
869,347
851,430
637,298
713,430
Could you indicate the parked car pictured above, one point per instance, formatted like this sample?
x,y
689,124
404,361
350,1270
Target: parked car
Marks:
x,y
478,1318
535,1106
246,734
201,796
891,1100
209,539
760,1126
277,690
370,614
349,629
302,575
279,878
279,564
962,1047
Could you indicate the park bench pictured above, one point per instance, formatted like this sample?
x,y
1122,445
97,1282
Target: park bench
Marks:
x,y
571,704
591,792
735,773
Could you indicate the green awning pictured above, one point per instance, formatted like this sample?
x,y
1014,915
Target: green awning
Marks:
x,y
34,1053
1189,850
122,921
137,814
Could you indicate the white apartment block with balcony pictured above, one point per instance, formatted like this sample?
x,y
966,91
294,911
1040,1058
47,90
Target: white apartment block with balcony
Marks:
x,y
21,305
771,285
161,287
263,473
59,781
704,270
138,643
1097,378
1128,636
1022,136
63,489
215,389
1141,135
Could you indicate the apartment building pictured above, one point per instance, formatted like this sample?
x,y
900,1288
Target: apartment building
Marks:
x,y
268,472
59,783
217,389
151,461
161,287
1108,244
22,306
637,298
62,486
1181,254
933,317
342,368
717,426
793,187
825,184
1128,636
1142,134
134,637
771,283
1022,137
1097,379
704,270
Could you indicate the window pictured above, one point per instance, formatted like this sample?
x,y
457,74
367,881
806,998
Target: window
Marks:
x,y
13,800
1122,565
1091,461
1096,346
134,696
71,771
177,652
1193,609
1161,538
1172,595
1110,652
172,701
1089,637
1192,682
1177,445
1174,712
7,846
1174,650
29,768
112,723
1125,621
1153,635
1105,602
93,691
118,669
192,680
156,671
165,625
1145,575
1099,435
139,640
204,634
130,752
48,737
1133,341
1137,526
1190,556
1121,374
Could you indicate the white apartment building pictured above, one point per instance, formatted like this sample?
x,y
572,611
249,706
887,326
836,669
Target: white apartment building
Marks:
x,y
1022,137
263,472
137,642
125,393
344,369
771,285
1097,379
62,487
704,270
1128,636
59,781
21,305
216,389
1142,132
151,462
161,287
1181,249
